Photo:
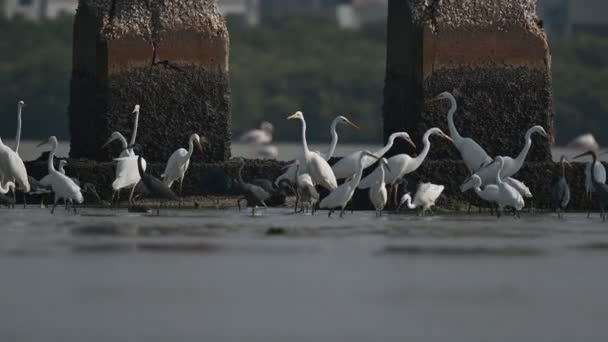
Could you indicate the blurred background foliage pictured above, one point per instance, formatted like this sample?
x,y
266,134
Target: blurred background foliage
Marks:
x,y
280,67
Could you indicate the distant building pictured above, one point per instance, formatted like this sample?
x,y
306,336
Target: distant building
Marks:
x,y
248,11
37,9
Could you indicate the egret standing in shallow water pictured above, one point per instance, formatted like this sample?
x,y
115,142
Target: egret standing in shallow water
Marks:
x,y
179,161
425,198
600,177
507,196
63,186
561,190
340,197
312,163
306,194
377,191
601,189
13,169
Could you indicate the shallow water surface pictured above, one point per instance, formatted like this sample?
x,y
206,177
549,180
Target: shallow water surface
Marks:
x,y
106,275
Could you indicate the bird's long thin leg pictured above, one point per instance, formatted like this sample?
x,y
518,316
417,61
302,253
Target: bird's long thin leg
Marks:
x,y
253,210
342,212
74,207
158,208
181,187
295,208
24,201
54,206
131,195
14,197
329,213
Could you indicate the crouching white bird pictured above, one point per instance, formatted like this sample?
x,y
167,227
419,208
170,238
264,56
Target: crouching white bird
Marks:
x,y
377,191
13,169
63,186
508,196
306,194
339,198
426,195
179,161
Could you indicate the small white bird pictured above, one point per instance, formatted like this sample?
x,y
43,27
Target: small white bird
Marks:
x,y
63,186
426,195
178,163
12,168
263,135
377,191
348,165
339,198
489,193
313,163
508,196
306,194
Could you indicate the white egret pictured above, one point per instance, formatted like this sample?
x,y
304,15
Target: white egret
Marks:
x,y
489,193
403,164
472,154
8,186
20,106
312,163
425,198
63,186
263,135
348,165
340,197
46,180
338,120
377,191
135,126
511,165
13,169
508,196
179,161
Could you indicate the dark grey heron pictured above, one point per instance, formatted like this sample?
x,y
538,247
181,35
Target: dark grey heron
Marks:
x,y
601,189
278,192
254,195
560,193
155,187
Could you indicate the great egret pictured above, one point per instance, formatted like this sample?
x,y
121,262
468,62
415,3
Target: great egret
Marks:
x,y
425,198
63,186
127,174
403,164
377,191
472,154
340,197
508,196
263,135
46,180
179,161
601,189
561,190
338,120
348,165
489,193
313,164
254,195
306,193
13,169
20,106
511,165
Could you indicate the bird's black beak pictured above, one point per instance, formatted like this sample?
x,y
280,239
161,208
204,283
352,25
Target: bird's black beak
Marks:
x,y
588,153
42,143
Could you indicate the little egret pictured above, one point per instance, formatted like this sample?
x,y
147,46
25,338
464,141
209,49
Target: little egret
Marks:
x,y
348,165
472,154
489,193
20,106
254,195
313,164
179,161
291,170
601,189
306,194
561,190
425,198
377,191
263,135
63,186
340,197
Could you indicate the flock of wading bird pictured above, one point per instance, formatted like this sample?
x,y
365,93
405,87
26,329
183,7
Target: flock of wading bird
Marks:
x,y
310,174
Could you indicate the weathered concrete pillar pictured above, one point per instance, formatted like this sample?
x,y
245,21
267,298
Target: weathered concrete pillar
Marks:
x,y
493,53
169,56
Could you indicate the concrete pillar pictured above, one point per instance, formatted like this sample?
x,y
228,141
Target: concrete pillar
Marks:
x,y
170,57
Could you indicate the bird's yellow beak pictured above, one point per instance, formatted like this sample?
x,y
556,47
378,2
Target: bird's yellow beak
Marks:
x,y
409,140
293,116
199,146
445,136
106,143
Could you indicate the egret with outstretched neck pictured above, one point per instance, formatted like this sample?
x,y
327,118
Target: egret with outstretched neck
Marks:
x,y
348,165
312,163
425,198
377,191
20,106
508,196
179,161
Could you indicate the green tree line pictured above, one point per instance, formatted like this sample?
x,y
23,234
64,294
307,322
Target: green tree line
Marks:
x,y
284,66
